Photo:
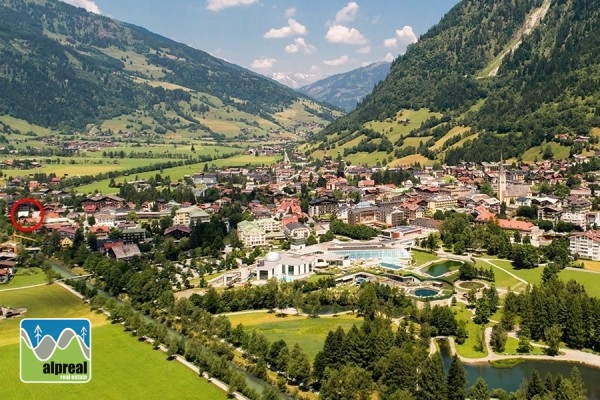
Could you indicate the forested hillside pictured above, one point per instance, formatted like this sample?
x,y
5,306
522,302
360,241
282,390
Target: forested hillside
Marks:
x,y
63,67
513,73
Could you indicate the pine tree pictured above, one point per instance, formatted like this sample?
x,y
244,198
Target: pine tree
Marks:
x,y
431,379
457,381
498,338
479,391
524,346
535,386
299,365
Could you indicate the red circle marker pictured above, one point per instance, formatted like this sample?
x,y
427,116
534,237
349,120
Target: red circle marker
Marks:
x,y
13,217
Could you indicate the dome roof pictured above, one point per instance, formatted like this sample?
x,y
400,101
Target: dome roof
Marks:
x,y
272,256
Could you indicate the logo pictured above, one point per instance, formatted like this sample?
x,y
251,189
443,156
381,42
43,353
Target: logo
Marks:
x,y
56,350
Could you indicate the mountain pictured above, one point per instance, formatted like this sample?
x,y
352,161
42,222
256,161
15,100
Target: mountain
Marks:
x,y
64,68
347,89
521,77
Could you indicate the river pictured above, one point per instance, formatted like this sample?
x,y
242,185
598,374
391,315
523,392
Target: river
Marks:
x,y
510,379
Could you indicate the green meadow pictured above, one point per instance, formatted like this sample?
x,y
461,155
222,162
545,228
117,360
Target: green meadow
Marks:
x,y
309,333
177,173
122,367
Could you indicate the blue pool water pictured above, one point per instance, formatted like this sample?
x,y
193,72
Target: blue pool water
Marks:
x,y
389,258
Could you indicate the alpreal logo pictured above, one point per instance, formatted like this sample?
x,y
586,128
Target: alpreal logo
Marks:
x,y
56,350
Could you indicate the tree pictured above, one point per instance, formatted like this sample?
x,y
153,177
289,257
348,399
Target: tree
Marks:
x,y
270,394
349,383
552,336
461,332
535,385
367,302
92,241
299,365
482,311
498,338
433,241
431,380
479,391
311,240
524,346
456,382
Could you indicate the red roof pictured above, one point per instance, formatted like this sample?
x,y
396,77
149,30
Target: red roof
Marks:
x,y
515,225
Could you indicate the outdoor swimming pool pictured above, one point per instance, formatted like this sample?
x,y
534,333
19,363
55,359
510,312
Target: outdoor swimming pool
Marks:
x,y
390,258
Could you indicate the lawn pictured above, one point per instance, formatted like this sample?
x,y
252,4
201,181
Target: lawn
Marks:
x,y
467,349
25,277
121,365
589,280
503,280
310,333
513,343
591,265
422,257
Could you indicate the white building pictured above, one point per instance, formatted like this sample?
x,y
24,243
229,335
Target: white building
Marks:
x,y
284,266
586,245
250,234
190,216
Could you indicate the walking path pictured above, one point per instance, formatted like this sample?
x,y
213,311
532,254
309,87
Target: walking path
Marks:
x,y
502,269
569,355
23,287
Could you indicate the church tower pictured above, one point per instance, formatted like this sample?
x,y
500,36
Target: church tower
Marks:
x,y
501,180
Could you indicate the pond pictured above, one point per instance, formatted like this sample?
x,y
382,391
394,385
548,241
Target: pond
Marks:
x,y
426,292
510,379
442,268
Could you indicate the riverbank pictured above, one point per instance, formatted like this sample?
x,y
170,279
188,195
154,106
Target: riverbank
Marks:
x,y
566,355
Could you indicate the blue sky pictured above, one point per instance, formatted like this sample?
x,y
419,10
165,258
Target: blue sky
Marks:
x,y
294,41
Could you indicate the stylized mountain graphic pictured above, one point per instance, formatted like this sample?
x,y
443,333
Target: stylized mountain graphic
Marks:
x,y
47,346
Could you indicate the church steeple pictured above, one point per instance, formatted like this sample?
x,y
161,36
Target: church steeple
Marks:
x,y
501,180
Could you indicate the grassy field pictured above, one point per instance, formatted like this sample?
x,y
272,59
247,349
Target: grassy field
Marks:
x,y
364,158
513,343
25,277
177,173
535,153
123,368
456,131
591,265
24,126
467,349
422,257
309,333
410,160
589,280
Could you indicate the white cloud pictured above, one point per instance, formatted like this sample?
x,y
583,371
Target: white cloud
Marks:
x,y
337,61
89,5
290,12
263,63
389,57
343,34
348,13
364,50
391,42
293,28
401,39
299,46
218,5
